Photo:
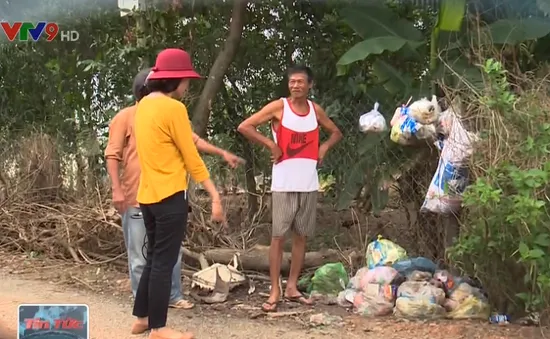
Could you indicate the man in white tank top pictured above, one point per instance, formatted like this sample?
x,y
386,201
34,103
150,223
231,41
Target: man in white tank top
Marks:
x,y
296,153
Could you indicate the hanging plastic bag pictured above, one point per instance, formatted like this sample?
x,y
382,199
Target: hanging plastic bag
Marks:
x,y
329,279
405,127
383,252
444,194
424,111
419,300
372,121
450,180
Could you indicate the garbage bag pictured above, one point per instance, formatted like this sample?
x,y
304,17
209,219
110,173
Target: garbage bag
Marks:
x,y
471,308
450,180
405,127
425,111
407,266
372,121
444,194
419,300
374,303
419,276
382,252
381,275
449,281
329,279
346,297
467,302
417,309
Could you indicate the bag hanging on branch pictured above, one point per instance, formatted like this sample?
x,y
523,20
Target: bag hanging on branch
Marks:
x,y
372,121
405,128
450,180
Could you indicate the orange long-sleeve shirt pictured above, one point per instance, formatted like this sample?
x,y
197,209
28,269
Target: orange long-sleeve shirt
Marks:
x,y
166,149
122,147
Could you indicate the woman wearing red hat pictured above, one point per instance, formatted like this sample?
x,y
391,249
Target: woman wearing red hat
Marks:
x,y
167,152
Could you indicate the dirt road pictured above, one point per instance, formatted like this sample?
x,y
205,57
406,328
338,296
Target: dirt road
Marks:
x,y
110,318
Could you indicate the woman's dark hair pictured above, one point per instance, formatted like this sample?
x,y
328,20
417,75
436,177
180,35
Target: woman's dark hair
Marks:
x,y
162,85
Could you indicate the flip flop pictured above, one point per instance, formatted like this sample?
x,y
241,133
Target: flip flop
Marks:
x,y
300,299
182,305
271,307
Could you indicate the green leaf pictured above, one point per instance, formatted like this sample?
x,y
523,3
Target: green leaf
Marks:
x,y
451,14
372,46
341,70
393,81
379,198
523,250
544,6
377,21
369,150
543,240
513,31
536,253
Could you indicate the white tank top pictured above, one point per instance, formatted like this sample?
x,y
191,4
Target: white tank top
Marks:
x,y
298,138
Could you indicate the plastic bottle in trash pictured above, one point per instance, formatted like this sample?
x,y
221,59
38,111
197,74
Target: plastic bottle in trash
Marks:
x,y
499,319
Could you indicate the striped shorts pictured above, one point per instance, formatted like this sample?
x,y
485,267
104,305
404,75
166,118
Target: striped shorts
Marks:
x,y
296,211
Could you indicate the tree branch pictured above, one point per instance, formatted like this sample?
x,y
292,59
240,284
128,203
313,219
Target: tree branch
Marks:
x,y
201,113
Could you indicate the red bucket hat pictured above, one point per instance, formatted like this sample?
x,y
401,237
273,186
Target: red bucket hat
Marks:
x,y
173,63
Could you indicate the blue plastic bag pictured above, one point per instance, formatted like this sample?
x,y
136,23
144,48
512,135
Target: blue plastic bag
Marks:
x,y
407,266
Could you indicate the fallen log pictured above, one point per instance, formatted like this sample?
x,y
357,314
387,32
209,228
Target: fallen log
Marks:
x,y
257,258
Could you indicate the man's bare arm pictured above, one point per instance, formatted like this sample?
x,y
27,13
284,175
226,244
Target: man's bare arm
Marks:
x,y
248,128
329,126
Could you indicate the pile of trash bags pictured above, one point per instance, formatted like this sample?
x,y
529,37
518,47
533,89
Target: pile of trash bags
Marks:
x,y
409,288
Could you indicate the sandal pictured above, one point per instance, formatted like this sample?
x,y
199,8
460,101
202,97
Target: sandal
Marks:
x,y
300,299
182,305
269,307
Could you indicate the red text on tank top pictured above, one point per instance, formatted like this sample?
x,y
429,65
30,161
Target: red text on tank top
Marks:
x,y
298,145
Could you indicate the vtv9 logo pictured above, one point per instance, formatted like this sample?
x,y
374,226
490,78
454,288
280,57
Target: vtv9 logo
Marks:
x,y
25,31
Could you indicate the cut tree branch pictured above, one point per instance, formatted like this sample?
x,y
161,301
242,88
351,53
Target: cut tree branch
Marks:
x,y
201,113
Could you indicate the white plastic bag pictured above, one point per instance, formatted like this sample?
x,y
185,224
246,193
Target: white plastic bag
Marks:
x,y
424,111
372,121
444,195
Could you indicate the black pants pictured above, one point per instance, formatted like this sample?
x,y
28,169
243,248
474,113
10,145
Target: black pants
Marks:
x,y
165,224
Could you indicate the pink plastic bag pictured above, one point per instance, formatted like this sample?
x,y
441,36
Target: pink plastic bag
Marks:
x,y
382,275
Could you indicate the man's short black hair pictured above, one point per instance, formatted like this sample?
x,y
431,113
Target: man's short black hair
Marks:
x,y
300,69
162,85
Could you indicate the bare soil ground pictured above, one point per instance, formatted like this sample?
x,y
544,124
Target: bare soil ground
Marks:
x,y
104,289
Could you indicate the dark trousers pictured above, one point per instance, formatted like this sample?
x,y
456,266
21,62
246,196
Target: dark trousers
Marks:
x,y
165,224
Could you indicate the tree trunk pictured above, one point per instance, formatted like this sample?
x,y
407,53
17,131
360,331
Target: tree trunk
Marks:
x,y
252,193
201,113
257,258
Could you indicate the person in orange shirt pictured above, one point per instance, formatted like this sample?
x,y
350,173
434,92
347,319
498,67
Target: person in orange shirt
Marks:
x,y
121,150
